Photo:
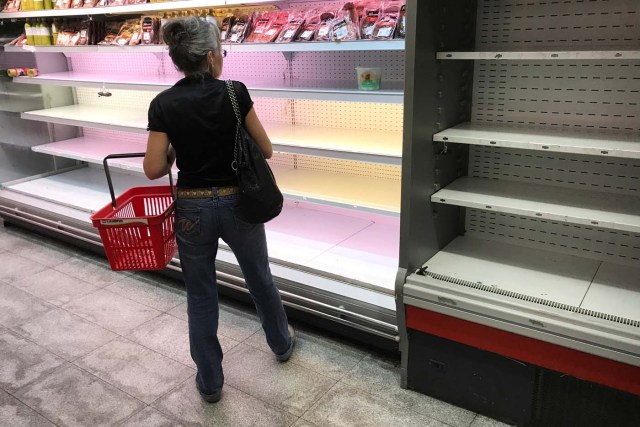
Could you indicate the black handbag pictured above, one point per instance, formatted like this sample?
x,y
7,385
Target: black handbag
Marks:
x,y
260,197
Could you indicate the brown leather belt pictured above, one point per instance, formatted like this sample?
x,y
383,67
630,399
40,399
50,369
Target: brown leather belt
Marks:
x,y
205,193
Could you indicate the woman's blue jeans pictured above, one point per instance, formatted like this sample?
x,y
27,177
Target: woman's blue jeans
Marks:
x,y
199,224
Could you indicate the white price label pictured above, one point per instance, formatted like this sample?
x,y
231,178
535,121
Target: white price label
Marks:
x,y
385,32
289,33
306,34
322,32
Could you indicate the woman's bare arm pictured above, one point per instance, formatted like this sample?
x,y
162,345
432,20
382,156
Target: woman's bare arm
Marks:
x,y
256,130
159,155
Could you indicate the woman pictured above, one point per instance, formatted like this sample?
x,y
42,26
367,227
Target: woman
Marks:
x,y
193,123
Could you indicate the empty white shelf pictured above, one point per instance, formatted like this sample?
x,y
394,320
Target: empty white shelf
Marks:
x,y
302,235
361,145
536,293
128,120
333,188
356,45
554,203
608,144
392,92
616,291
543,55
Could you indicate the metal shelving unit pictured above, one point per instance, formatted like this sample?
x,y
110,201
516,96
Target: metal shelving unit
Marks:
x,y
531,144
338,156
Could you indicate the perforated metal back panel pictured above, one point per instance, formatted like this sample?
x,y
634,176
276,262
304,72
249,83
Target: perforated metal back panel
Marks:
x,y
582,95
589,242
610,175
545,24
585,94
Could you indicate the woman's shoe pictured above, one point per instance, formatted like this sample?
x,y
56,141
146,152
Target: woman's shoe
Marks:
x,y
211,398
287,354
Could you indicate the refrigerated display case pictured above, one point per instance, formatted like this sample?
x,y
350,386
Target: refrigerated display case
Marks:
x,y
519,281
333,250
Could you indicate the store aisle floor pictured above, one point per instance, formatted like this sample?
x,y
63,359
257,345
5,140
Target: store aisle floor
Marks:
x,y
81,345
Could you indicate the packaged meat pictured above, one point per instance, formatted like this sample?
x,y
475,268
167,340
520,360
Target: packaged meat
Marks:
x,y
89,3
85,32
129,33
371,14
62,4
227,23
385,28
239,29
345,26
148,30
293,27
324,27
261,22
76,4
275,27
112,28
402,22
312,20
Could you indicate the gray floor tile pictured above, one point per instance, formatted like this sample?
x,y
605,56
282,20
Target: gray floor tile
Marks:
x,y
304,423
179,311
167,335
256,373
91,269
143,290
236,324
482,421
136,370
347,406
65,334
111,311
17,306
54,287
72,397
150,417
9,238
15,267
232,323
23,361
320,354
44,251
16,414
235,409
382,378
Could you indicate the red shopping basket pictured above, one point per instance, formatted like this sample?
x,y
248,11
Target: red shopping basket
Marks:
x,y
137,227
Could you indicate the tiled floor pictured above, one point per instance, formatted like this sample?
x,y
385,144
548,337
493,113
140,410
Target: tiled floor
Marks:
x,y
81,345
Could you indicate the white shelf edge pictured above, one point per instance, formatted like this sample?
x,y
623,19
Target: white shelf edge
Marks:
x,y
609,144
131,165
357,45
293,92
282,141
546,55
541,201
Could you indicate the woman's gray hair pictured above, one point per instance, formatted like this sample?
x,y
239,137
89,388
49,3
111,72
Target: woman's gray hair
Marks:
x,y
189,40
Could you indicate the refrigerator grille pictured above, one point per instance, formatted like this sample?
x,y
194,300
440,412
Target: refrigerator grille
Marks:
x,y
515,295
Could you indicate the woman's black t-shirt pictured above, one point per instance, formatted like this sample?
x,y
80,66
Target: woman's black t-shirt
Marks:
x,y
197,115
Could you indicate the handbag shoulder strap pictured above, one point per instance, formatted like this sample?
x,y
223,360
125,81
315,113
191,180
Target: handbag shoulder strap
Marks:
x,y
234,100
237,146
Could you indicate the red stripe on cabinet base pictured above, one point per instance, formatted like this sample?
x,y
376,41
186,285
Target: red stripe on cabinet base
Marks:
x,y
551,356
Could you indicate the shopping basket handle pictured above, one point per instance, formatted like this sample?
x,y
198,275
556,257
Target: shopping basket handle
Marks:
x,y
124,156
